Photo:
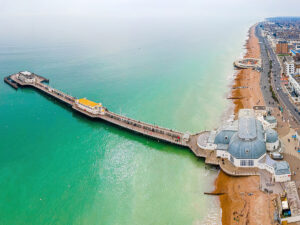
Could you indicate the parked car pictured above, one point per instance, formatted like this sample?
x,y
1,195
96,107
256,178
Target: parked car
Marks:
x,y
276,155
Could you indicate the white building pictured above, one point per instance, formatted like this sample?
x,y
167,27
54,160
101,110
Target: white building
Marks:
x,y
297,67
26,77
289,67
293,83
280,170
89,106
244,142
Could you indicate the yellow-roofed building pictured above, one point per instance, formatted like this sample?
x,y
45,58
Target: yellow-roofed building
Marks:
x,y
90,106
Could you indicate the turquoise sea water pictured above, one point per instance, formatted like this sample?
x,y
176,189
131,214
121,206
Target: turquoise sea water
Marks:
x,y
57,167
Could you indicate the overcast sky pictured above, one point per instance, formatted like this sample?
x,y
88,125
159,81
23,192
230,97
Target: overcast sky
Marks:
x,y
149,8
64,20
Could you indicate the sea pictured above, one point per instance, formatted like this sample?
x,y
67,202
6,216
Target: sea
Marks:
x,y
59,167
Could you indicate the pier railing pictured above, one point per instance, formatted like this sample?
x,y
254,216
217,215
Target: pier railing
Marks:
x,y
146,126
63,96
157,132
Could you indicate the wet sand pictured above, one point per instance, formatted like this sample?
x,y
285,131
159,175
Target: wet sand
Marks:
x,y
243,202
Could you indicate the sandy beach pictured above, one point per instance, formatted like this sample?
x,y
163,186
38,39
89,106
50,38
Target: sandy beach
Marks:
x,y
243,202
250,95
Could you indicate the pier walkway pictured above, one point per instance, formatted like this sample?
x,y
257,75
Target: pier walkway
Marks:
x,y
150,130
156,132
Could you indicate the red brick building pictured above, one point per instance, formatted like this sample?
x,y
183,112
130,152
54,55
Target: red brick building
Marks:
x,y
282,47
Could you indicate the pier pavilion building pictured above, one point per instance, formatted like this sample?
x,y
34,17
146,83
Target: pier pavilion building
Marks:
x,y
26,77
90,106
245,142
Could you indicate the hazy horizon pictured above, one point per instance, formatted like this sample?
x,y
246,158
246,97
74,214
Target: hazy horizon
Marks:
x,y
67,21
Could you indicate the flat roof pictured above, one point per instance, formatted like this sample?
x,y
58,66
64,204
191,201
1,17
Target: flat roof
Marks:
x,y
25,72
87,102
281,168
247,128
246,113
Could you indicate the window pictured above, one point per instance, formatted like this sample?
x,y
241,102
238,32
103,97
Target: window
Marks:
x,y
250,163
231,159
243,163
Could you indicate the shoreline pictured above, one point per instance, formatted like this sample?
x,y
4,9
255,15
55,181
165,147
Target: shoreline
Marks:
x,y
243,199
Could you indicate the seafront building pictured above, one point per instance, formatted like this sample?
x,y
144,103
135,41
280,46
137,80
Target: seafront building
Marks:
x,y
245,142
289,66
293,88
294,83
282,47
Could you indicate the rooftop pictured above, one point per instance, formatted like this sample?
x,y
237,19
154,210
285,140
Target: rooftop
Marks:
x,y
25,73
271,136
87,102
271,119
224,136
247,128
282,167
294,52
248,142
288,59
246,113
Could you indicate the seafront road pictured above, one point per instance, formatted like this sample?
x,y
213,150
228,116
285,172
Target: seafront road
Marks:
x,y
267,54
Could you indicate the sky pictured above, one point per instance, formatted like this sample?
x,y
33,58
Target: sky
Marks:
x,y
149,8
61,20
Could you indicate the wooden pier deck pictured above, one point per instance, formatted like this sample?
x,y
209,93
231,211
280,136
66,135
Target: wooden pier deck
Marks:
x,y
150,130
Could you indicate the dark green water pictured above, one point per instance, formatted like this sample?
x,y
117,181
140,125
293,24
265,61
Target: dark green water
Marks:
x,y
57,167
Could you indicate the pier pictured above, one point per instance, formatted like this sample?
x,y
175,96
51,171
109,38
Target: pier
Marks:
x,y
153,131
98,112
